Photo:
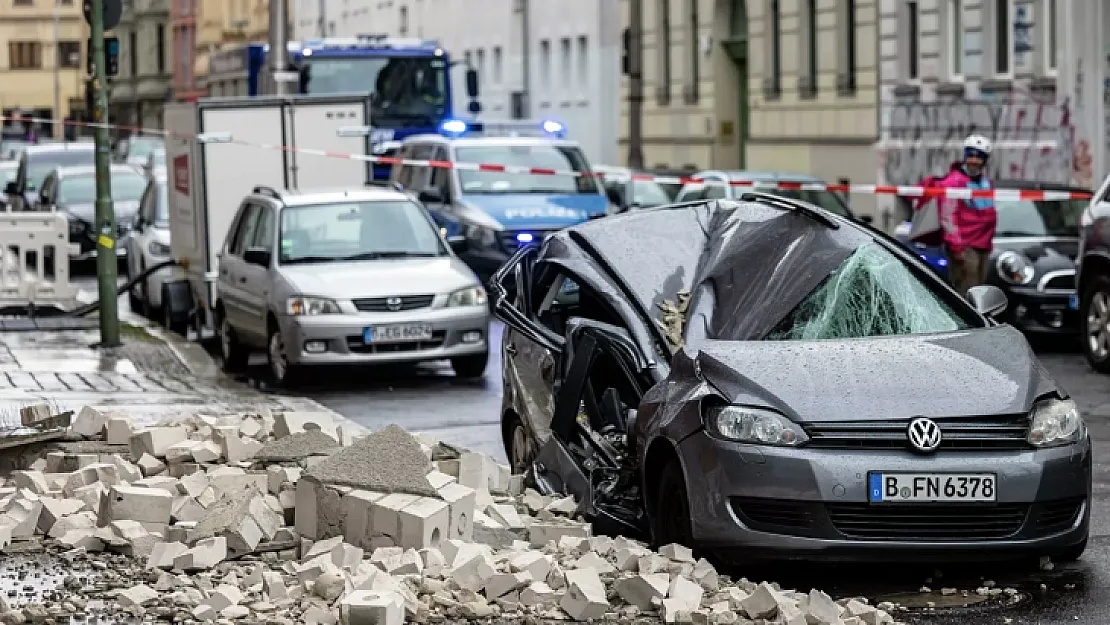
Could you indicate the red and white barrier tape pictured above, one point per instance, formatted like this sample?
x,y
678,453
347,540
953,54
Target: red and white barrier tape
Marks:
x,y
864,189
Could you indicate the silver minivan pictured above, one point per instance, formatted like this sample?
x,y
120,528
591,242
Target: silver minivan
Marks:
x,y
346,277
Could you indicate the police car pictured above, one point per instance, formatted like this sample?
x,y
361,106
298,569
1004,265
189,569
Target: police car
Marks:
x,y
498,211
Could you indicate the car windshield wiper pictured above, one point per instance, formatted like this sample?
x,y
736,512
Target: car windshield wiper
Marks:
x,y
310,259
1018,233
388,254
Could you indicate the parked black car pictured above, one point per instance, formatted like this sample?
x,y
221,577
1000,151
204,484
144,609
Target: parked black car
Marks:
x,y
72,191
1093,279
766,377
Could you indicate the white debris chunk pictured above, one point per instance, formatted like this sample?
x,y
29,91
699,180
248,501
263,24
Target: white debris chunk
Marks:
x,y
585,597
643,591
138,595
365,607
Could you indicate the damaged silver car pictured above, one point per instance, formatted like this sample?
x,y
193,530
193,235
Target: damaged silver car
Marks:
x,y
765,378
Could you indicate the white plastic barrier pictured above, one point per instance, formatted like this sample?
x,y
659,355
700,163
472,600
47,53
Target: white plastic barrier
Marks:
x,y
34,260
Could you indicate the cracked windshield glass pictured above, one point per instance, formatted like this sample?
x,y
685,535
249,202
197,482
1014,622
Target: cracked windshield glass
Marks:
x,y
356,231
872,293
404,92
1027,218
547,156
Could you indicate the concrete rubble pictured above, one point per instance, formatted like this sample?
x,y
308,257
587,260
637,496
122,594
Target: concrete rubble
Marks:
x,y
288,519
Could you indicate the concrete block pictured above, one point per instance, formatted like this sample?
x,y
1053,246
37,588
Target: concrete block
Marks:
x,y
642,590
539,532
133,503
278,475
42,417
161,482
181,469
365,607
156,440
386,515
105,474
287,423
81,520
137,596
181,451
439,479
22,513
140,542
318,510
118,431
89,422
536,563
474,571
268,520
424,523
585,598
477,471
462,502
506,515
193,484
149,465
163,554
127,471
590,560
55,509
538,594
502,584
185,508
205,554
91,495
207,452
234,447
274,586
358,515
223,596
82,538
34,481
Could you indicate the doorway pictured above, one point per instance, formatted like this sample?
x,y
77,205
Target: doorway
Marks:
x,y
735,44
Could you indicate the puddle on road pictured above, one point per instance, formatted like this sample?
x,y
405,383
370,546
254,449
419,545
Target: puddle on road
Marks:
x,y
53,588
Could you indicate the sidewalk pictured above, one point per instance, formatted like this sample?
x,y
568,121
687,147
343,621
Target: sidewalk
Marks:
x,y
148,378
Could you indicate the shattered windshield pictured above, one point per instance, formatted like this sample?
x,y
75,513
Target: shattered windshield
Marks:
x,y
872,293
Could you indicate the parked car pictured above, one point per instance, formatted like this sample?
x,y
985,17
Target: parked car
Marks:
x,y
8,171
148,246
72,191
11,148
36,161
1092,298
139,148
1035,245
627,193
768,378
345,278
732,184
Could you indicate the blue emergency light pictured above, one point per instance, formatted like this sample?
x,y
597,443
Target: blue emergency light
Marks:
x,y
525,237
548,128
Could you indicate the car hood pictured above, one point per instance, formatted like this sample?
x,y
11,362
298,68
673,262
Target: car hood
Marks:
x,y
380,278
533,210
1046,254
87,212
980,372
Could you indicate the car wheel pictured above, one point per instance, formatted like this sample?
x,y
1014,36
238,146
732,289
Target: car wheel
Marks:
x,y
281,371
235,354
472,367
517,446
671,521
1096,329
1071,554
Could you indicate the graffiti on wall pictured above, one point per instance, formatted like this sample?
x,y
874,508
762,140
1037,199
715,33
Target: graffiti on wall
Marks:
x,y
1034,139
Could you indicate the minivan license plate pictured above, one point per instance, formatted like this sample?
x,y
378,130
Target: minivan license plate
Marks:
x,y
397,333
931,487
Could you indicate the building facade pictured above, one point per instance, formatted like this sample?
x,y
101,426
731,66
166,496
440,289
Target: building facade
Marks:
x,y
950,68
42,60
145,80
558,59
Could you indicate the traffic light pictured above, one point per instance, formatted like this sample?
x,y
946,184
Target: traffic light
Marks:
x,y
111,56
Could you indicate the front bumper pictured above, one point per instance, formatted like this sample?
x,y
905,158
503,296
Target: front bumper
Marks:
x,y
753,501
1037,312
342,336
83,234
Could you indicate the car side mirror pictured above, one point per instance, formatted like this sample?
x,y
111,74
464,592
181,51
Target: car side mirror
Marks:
x,y
257,256
458,244
431,195
11,188
988,300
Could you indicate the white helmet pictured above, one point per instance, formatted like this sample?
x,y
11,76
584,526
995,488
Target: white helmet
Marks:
x,y
978,143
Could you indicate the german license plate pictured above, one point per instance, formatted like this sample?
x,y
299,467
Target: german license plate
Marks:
x,y
397,333
931,487
1073,301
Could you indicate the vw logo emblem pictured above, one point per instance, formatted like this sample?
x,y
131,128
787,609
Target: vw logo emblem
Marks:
x,y
393,303
924,435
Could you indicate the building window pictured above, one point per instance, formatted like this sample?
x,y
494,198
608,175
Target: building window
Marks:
x,y
913,33
1003,46
846,79
24,3
24,55
160,41
694,43
481,56
133,52
1050,45
663,51
955,39
566,60
545,62
69,54
583,60
497,65
807,85
403,28
772,85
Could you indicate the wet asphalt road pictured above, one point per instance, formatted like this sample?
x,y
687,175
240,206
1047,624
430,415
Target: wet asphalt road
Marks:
x,y
429,399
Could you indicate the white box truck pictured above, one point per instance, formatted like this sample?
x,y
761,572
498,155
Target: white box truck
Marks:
x,y
219,149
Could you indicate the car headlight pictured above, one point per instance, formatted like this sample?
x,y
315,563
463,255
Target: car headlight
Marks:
x,y
481,236
1015,268
1055,422
747,424
470,296
311,306
158,249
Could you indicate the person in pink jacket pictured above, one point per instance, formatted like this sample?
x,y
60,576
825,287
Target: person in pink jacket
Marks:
x,y
967,225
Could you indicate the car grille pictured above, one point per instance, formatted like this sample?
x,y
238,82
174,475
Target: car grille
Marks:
x,y
958,434
927,522
511,244
1066,281
355,345
1059,515
381,304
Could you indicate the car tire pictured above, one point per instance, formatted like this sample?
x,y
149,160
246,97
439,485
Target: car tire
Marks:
x,y
282,374
671,521
1071,554
1095,297
235,354
517,446
471,367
